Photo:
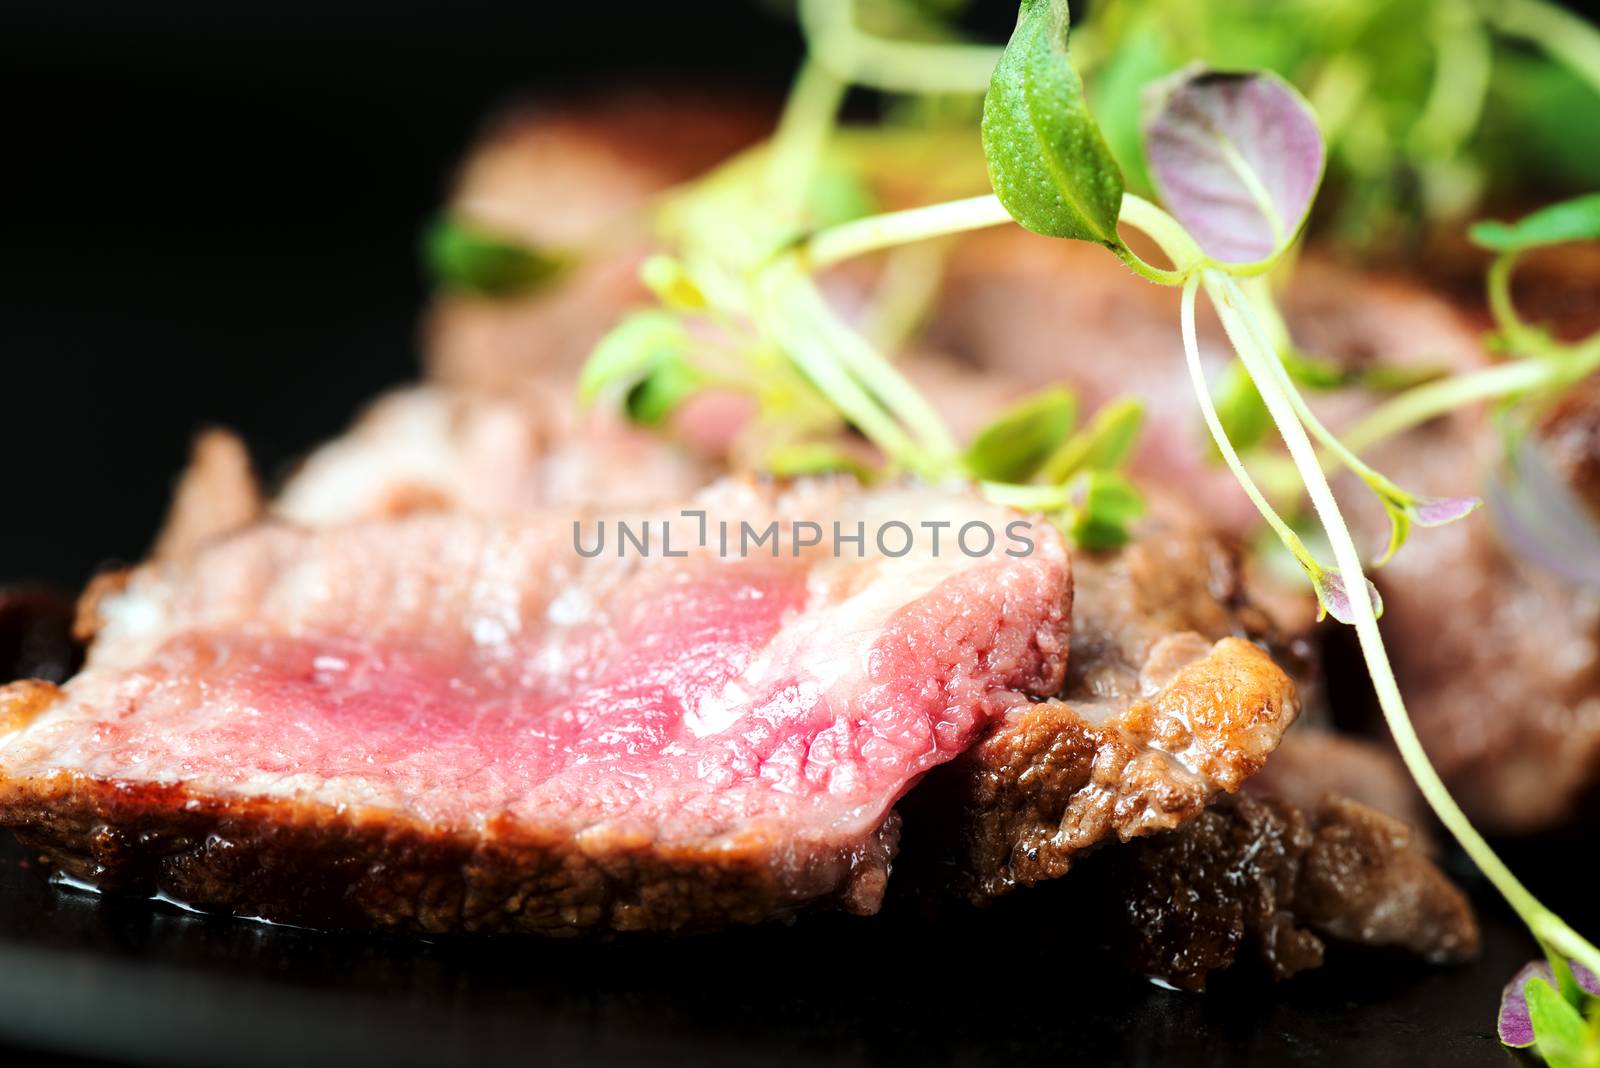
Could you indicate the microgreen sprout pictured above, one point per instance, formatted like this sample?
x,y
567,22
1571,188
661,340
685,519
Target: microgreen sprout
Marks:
x,y
1426,105
466,258
1553,1005
1238,158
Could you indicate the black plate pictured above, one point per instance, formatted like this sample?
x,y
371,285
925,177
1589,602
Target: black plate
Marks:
x,y
1025,981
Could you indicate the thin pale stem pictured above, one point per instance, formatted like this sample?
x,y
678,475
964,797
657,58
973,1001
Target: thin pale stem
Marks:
x,y
808,118
888,65
880,376
790,322
1165,231
1425,402
1544,924
1561,33
1208,409
1375,479
1026,498
861,236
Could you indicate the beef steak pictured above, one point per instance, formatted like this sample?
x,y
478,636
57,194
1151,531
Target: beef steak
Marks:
x,y
1165,705
447,722
1267,877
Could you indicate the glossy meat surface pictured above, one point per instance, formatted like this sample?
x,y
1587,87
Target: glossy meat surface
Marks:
x,y
470,681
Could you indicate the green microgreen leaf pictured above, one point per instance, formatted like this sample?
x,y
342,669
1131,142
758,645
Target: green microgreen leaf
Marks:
x,y
1571,220
1243,413
656,396
669,280
467,259
798,459
1560,1033
1577,984
1100,446
1237,158
1013,446
1048,162
642,342
1104,507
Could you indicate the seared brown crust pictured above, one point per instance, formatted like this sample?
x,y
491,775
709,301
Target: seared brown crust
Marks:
x,y
1266,877
23,700
311,864
1164,705
1049,784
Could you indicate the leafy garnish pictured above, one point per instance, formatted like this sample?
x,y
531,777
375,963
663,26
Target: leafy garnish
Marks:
x,y
1571,220
468,259
1237,158
1012,448
635,347
1244,415
799,459
1103,506
1048,163
1253,149
1516,1027
670,281
655,397
1333,596
1100,446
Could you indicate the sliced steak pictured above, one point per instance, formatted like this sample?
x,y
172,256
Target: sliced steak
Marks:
x,y
216,495
433,448
574,181
1313,762
1499,661
1040,311
446,722
1498,657
1265,877
1165,705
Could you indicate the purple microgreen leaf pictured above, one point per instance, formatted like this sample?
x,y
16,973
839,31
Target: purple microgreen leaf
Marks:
x,y
1516,1029
1515,1025
1237,158
1541,519
1333,597
1437,511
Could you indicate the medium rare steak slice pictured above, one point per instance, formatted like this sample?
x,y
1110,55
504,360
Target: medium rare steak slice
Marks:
x,y
434,448
447,722
1165,705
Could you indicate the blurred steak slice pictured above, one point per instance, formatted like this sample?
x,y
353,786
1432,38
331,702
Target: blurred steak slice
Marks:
x,y
433,448
446,722
215,495
574,180
1498,657
1165,705
1313,762
1267,877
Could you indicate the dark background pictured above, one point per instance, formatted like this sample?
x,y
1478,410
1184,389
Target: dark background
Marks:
x,y
211,214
